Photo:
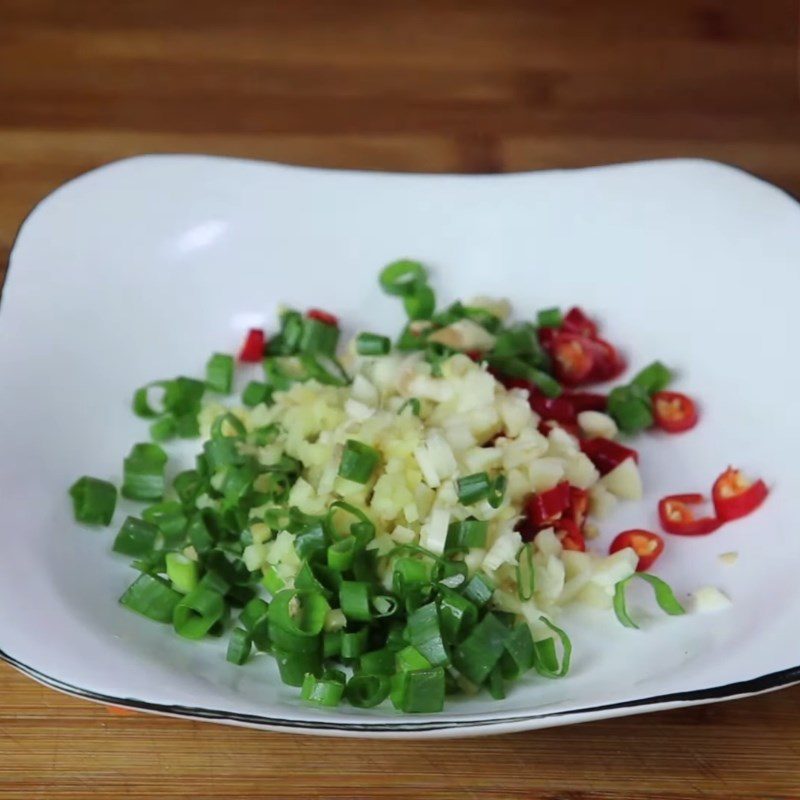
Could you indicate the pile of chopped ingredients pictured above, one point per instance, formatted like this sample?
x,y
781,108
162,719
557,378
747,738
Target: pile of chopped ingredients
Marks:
x,y
404,520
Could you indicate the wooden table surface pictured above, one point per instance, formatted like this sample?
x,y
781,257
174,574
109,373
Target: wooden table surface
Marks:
x,y
434,85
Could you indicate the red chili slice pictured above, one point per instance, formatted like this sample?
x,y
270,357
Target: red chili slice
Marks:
x,y
576,320
252,350
587,401
579,359
578,505
735,496
648,546
544,508
573,357
323,316
674,412
607,454
570,535
677,517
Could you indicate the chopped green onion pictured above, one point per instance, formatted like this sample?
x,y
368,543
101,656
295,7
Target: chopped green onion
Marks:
x,y
182,396
152,597
466,534
653,378
163,429
479,589
519,655
188,485
545,657
385,606
170,519
550,318
419,301
197,612
413,404
200,537
296,621
256,393
279,376
354,643
367,691
325,691
318,338
371,344
354,600
457,615
143,472
473,488
187,426
631,408
183,572
411,339
424,633
476,656
663,593
517,368
526,574
400,277
358,462
310,542
377,662
293,667
437,354
136,538
239,646
141,401
496,684
498,491
219,373
420,691
324,369
93,500
254,612
341,554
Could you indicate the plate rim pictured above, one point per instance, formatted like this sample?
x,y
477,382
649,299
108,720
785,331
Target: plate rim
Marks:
x,y
752,686
373,729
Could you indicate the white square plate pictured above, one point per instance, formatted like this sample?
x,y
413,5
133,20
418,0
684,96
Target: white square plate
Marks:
x,y
139,270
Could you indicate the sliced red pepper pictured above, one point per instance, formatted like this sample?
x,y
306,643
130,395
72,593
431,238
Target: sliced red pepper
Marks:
x,y
544,508
578,505
648,546
252,351
573,359
587,401
607,454
735,495
677,517
579,359
610,364
674,412
575,320
570,536
323,316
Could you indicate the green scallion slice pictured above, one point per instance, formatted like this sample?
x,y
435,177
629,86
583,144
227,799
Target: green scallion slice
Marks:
x,y
136,538
400,277
152,597
219,373
358,462
93,500
371,344
474,488
663,592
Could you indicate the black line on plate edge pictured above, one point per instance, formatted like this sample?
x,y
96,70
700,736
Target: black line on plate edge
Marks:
x,y
763,683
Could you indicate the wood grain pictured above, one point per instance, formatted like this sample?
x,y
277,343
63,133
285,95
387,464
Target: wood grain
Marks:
x,y
422,85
